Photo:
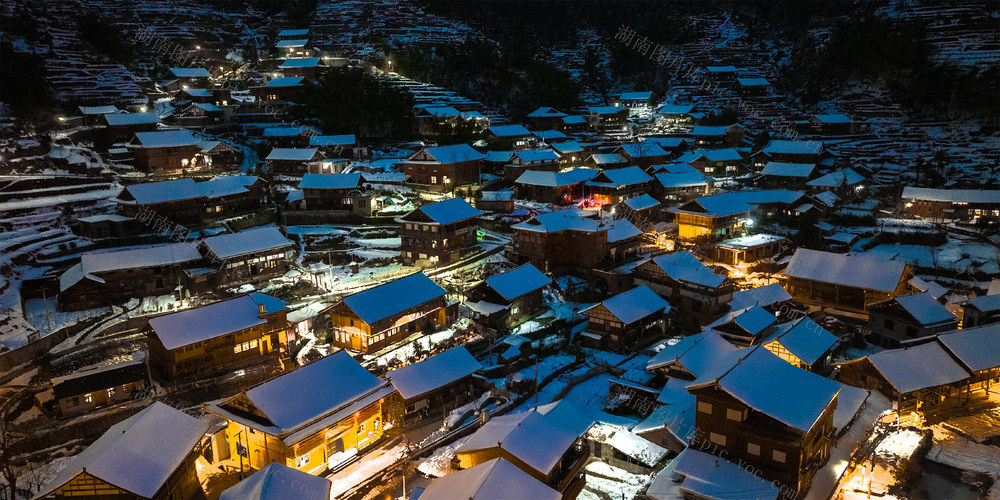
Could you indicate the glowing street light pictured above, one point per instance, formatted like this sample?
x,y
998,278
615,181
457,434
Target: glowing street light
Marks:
x,y
749,222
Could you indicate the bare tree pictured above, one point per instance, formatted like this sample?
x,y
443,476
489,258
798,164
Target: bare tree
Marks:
x,y
7,468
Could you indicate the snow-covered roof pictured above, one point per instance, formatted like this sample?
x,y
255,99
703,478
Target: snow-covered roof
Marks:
x,y
333,140
804,338
749,241
627,443
684,266
681,179
635,304
517,282
393,297
607,158
952,195
860,271
133,258
675,109
158,192
643,150
620,177
782,169
700,354
104,217
753,320
621,230
166,139
753,82
138,454
917,367
434,372
985,303
828,198
190,72
555,179
455,153
330,181
546,135
296,32
287,81
718,155
283,131
509,130
450,211
574,119
246,242
925,309
641,202
932,287
844,177
207,107
292,399
300,62
124,119
721,69
291,154
735,202
710,130
543,112
537,155
783,146
499,156
562,220
763,296
540,441
495,479
605,110
503,195
198,324
636,96
98,110
290,44
833,118
975,347
707,476
197,92
775,388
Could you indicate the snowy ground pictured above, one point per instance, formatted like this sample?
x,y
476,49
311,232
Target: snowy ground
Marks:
x,y
612,482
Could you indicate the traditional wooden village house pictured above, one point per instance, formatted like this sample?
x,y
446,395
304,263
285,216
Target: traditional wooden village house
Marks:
x,y
186,201
562,239
81,392
496,478
548,443
771,297
616,324
195,95
106,226
641,210
513,137
942,204
974,349
606,161
549,136
531,159
674,114
727,215
607,118
293,34
610,187
119,463
194,342
438,384
94,115
749,249
718,135
745,327
756,87
624,239
501,202
195,78
559,188
697,474
505,300
790,151
282,89
545,118
248,255
370,320
435,120
287,421
690,286
444,167
721,73
277,481
307,67
787,438
981,310
845,183
200,115
903,376
643,154
618,447
103,278
803,343
573,124
849,282
292,160
438,234
339,146
908,317
219,154
335,192
166,151
786,175
294,47
634,99
830,124
288,136
680,182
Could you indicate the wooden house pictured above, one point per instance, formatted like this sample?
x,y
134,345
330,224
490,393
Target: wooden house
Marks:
x,y
790,151
607,118
288,136
849,282
335,192
166,151
195,78
370,320
562,239
908,317
749,249
281,89
831,124
786,175
94,115
643,208
700,474
339,146
277,481
618,447
974,349
309,68
715,162
513,137
287,421
747,86
496,478
690,286
634,99
294,47
802,343
292,160
674,114
786,439
610,187
83,391
200,115
194,342
559,188
150,455
437,385
439,234
106,226
680,182
643,154
727,215
248,255
745,327
981,310
184,201
547,443
545,118
531,159
496,201
718,135
618,323
444,167
505,300
963,204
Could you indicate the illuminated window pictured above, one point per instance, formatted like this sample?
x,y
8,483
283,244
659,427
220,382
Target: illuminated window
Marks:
x,y
88,398
717,438
753,449
704,407
111,391
434,179
779,456
302,461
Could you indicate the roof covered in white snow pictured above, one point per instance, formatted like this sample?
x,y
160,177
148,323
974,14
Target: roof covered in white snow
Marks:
x,y
858,271
804,338
434,372
495,479
450,211
925,309
198,324
684,266
330,181
279,482
393,297
975,347
246,242
950,195
517,282
635,304
917,367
